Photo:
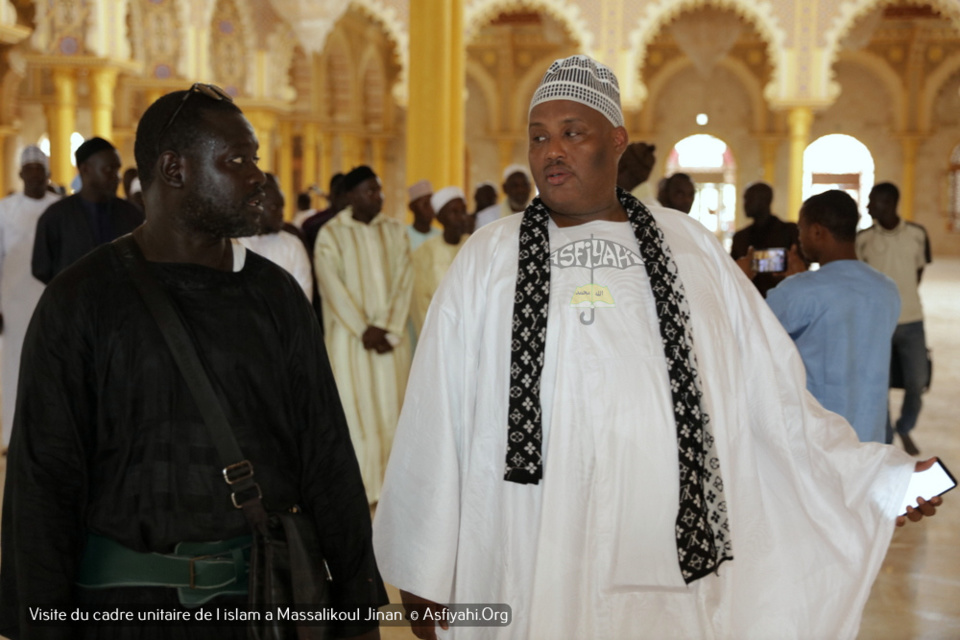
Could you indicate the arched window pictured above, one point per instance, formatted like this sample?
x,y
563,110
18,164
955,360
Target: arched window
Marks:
x,y
842,162
710,164
955,189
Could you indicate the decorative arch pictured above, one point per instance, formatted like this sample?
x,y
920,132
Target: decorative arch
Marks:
x,y
882,71
852,10
158,47
397,32
339,82
747,79
372,90
758,13
563,11
106,29
281,44
488,86
928,96
9,90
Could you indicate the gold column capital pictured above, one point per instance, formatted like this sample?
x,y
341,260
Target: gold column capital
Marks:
x,y
103,85
910,143
799,120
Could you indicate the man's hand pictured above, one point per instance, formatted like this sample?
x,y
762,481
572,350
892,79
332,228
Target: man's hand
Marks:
x,y
416,606
795,262
745,263
924,507
373,338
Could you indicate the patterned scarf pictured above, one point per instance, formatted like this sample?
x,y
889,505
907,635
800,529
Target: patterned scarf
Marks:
x,y
702,527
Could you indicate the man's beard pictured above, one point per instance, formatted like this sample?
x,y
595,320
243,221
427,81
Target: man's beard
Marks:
x,y
208,215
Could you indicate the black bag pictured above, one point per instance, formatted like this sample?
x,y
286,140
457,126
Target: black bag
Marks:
x,y
287,569
896,372
286,563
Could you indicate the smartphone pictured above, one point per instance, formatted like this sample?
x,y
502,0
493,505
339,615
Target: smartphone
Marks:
x,y
935,481
770,260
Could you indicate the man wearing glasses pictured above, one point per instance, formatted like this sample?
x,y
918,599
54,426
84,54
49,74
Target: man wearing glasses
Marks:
x,y
108,443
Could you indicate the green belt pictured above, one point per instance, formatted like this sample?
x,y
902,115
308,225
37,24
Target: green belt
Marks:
x,y
198,570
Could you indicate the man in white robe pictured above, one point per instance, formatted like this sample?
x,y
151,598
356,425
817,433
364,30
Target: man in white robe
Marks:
x,y
434,257
19,290
516,188
276,243
591,549
363,270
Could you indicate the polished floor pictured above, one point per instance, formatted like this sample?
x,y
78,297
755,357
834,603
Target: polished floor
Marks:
x,y
917,594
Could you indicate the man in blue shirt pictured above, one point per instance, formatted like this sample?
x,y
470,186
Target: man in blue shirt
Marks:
x,y
842,316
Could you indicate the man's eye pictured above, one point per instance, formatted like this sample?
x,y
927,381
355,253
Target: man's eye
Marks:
x,y
237,160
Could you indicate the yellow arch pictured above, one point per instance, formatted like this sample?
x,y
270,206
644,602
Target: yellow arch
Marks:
x,y
759,13
747,80
488,86
397,32
879,68
566,13
852,10
932,86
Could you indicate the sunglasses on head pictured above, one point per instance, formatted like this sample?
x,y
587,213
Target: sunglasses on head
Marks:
x,y
211,91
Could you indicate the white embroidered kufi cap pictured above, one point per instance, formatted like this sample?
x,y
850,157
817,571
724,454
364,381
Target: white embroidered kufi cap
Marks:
x,y
516,168
32,154
444,196
584,80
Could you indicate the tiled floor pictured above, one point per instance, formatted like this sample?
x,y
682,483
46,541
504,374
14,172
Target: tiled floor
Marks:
x,y
917,595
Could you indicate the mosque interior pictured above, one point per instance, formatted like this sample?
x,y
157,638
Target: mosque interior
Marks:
x,y
806,95
803,94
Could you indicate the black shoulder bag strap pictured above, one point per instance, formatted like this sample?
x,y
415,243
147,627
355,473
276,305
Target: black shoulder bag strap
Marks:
x,y
237,470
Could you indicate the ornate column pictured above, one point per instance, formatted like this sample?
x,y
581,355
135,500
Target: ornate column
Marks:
x,y
325,169
285,168
103,84
350,151
61,123
505,151
310,174
436,80
264,122
379,148
908,180
5,134
768,150
799,120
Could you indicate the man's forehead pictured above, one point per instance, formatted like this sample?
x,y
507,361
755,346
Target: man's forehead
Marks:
x,y
553,111
228,127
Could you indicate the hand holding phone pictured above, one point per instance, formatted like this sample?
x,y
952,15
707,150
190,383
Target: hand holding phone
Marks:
x,y
770,260
927,484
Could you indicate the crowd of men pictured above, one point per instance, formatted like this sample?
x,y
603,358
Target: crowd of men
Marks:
x,y
571,347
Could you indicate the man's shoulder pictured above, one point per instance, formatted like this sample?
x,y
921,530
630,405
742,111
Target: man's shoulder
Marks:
x,y
91,276
126,208
915,229
61,207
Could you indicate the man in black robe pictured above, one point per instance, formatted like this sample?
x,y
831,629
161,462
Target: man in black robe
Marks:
x,y
72,227
107,438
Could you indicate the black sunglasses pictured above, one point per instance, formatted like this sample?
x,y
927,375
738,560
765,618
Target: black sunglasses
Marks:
x,y
211,91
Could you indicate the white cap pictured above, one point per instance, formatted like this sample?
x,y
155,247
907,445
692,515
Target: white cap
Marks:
x,y
444,196
515,168
584,80
32,154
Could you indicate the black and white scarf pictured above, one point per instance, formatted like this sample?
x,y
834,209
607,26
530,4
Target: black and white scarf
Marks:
x,y
702,527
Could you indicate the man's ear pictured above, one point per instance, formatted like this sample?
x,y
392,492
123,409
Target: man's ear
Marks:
x,y
620,139
170,169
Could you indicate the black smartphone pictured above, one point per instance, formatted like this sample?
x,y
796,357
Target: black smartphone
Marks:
x,y
933,482
770,260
